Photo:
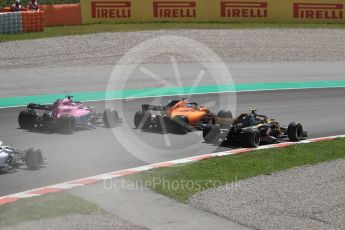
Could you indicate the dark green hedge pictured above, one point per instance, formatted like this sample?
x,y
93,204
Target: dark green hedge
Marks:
x,y
43,2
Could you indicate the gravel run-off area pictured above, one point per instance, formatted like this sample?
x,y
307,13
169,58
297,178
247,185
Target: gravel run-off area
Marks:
x,y
235,45
309,197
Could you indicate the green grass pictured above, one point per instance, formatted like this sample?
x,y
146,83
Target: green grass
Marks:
x,y
176,182
114,27
43,207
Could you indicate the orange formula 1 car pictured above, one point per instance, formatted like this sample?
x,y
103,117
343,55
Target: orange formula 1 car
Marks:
x,y
178,116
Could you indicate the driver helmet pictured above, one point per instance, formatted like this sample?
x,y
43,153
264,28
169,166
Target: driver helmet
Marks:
x,y
66,101
17,1
189,105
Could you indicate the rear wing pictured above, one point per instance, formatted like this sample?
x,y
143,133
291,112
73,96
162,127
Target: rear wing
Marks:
x,y
153,107
40,107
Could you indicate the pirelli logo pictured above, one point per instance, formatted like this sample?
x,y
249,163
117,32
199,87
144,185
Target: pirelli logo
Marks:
x,y
230,9
174,9
111,9
318,10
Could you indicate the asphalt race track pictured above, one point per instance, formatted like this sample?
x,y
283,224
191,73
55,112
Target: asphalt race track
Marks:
x,y
24,81
95,151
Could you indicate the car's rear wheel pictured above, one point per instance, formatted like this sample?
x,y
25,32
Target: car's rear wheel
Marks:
x,y
33,158
211,133
163,124
110,118
179,124
142,120
206,120
295,131
251,138
66,124
27,120
47,122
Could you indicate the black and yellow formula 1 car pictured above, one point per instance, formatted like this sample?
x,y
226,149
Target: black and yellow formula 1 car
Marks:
x,y
251,129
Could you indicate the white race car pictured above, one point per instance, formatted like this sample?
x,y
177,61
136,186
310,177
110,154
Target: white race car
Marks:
x,y
12,158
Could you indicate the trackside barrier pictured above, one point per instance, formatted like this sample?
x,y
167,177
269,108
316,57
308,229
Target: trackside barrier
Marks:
x,y
4,10
33,21
62,14
19,22
320,11
11,23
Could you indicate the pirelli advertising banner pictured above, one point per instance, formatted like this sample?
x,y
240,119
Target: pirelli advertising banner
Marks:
x,y
213,10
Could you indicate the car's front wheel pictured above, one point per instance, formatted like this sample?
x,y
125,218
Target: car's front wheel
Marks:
x,y
251,138
295,131
33,158
110,118
224,117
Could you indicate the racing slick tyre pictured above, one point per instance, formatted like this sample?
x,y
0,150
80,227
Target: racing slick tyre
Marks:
x,y
66,124
179,124
33,158
110,118
206,120
295,131
163,124
27,120
142,120
251,138
224,117
138,117
210,133
48,122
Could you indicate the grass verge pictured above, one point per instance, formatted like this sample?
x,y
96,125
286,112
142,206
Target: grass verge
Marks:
x,y
181,182
118,27
44,207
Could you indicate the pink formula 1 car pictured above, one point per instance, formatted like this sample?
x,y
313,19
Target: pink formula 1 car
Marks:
x,y
65,115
